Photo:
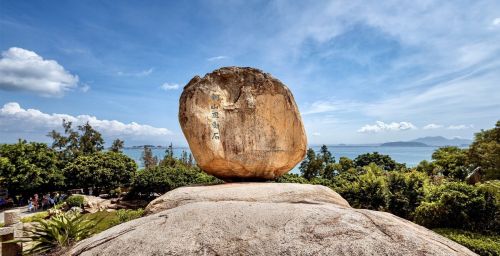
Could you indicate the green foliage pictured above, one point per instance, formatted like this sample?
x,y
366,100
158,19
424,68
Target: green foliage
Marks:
x,y
61,231
82,142
428,168
104,170
310,167
105,221
485,152
75,201
316,165
162,179
493,187
405,192
452,162
148,159
27,168
292,178
128,215
117,146
369,190
35,217
458,205
384,161
484,245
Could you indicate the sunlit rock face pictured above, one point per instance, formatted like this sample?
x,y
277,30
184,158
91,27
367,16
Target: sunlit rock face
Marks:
x,y
242,123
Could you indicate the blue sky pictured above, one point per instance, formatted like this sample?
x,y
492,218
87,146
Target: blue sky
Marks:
x,y
361,72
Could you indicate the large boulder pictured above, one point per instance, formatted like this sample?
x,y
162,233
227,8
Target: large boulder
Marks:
x,y
250,192
241,123
286,219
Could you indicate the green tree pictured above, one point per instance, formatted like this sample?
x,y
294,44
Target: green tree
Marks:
x,y
428,168
27,168
384,161
74,143
117,146
90,140
345,164
162,179
485,152
451,162
369,190
310,167
458,205
101,170
148,158
405,192
169,159
326,156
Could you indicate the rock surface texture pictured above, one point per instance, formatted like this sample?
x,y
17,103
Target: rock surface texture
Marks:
x,y
284,219
241,123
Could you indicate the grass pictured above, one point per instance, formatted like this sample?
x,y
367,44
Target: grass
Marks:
x,y
36,216
479,243
107,220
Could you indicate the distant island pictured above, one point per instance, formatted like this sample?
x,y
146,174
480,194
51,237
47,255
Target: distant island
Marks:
x,y
404,144
429,141
441,141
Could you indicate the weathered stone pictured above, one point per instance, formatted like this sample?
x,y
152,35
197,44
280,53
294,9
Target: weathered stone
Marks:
x,y
276,224
247,192
242,123
11,217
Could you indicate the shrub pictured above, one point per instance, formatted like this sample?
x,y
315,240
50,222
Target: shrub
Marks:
x,y
35,217
384,161
59,232
291,178
479,243
75,201
368,191
100,170
405,192
128,215
452,162
458,205
161,179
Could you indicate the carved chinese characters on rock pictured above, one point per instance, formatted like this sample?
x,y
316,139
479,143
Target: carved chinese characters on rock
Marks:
x,y
214,116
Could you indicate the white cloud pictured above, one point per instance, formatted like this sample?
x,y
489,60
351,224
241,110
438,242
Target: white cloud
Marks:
x,y
169,86
14,118
85,88
142,73
316,134
25,70
323,106
460,127
496,22
432,126
217,58
453,101
381,127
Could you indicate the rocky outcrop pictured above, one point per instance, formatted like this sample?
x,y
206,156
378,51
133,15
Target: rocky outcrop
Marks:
x,y
284,219
247,192
241,123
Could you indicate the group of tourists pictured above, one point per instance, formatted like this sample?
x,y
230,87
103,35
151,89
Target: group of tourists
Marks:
x,y
45,202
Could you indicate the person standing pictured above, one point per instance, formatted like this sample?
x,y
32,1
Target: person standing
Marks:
x,y
30,205
35,202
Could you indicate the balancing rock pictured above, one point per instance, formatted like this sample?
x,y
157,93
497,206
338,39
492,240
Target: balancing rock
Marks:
x,y
242,124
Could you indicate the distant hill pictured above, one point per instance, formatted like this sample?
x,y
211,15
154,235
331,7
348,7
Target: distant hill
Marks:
x,y
442,141
404,144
